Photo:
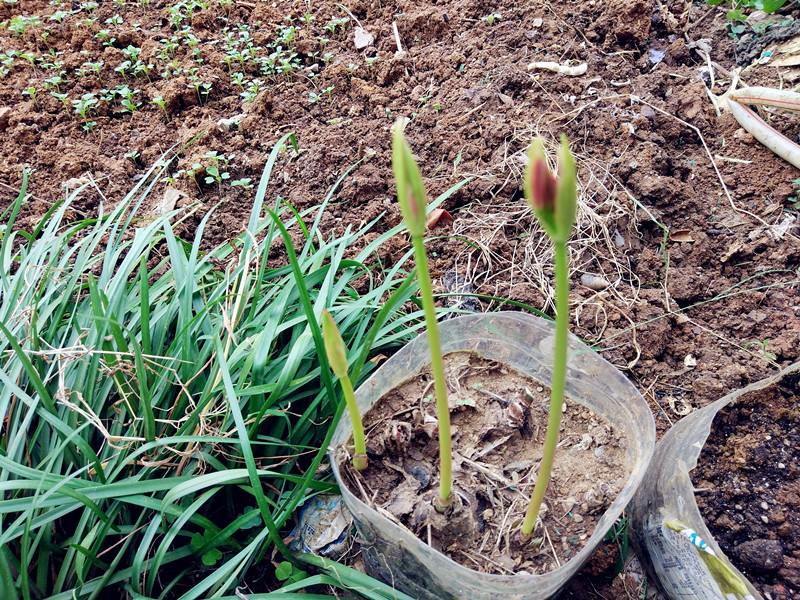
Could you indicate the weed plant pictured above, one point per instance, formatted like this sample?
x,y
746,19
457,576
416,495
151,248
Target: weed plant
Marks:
x,y
165,409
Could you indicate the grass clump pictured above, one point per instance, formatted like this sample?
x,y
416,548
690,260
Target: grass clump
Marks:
x,y
163,416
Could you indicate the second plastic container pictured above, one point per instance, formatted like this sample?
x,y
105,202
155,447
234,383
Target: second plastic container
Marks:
x,y
395,555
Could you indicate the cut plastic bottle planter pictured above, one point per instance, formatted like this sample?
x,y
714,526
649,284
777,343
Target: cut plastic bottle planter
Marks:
x,y
394,554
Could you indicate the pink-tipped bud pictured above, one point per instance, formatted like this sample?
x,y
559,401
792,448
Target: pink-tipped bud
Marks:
x,y
543,185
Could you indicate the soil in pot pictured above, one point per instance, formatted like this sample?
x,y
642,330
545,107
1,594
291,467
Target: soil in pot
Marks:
x,y
748,486
498,422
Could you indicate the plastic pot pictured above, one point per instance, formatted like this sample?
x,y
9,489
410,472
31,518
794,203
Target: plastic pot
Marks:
x,y
667,494
394,554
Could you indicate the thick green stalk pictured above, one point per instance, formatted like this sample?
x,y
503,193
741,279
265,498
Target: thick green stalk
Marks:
x,y
437,366
556,388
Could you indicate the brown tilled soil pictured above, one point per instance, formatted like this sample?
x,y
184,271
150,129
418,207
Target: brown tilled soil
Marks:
x,y
685,260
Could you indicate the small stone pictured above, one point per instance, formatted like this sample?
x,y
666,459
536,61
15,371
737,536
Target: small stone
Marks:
x,y
765,519
761,555
421,474
781,466
231,123
738,507
765,506
363,38
577,518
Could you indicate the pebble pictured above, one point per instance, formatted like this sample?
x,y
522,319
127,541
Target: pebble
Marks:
x,y
761,555
765,518
421,474
577,518
765,506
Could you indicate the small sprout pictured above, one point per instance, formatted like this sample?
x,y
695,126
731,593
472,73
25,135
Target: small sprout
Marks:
x,y
158,100
84,105
134,157
337,358
63,98
32,92
244,183
490,19
215,175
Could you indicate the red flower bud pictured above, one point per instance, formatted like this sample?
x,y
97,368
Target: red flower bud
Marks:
x,y
543,186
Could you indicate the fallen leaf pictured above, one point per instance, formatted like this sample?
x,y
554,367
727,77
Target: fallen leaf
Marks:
x,y
437,215
376,360
734,248
681,235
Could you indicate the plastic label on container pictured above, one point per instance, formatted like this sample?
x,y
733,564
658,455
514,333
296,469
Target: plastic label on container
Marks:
x,y
325,525
675,555
678,563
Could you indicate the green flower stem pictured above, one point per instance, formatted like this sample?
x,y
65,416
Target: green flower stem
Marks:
x,y
437,366
556,389
360,456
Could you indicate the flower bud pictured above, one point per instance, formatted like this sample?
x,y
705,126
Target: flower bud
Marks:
x,y
542,185
410,189
334,345
554,201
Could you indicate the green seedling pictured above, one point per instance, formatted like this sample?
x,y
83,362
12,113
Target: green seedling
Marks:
x,y
763,346
58,16
162,104
796,198
95,67
554,202
239,79
32,92
215,175
768,6
412,199
20,24
31,58
490,19
134,157
244,183
192,173
63,98
53,83
127,98
104,35
618,534
337,357
84,105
